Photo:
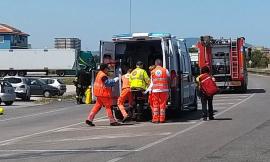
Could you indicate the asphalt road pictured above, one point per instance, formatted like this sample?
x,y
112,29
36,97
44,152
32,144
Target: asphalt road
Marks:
x,y
56,132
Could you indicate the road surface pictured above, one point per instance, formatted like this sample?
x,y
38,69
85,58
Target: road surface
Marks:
x,y
56,132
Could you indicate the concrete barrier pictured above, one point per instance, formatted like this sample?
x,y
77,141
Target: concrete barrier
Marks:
x,y
259,71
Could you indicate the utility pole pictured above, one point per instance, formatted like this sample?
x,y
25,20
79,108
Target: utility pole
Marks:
x,y
129,16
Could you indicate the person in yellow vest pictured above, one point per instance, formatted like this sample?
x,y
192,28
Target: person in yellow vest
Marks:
x,y
139,81
160,91
125,95
103,91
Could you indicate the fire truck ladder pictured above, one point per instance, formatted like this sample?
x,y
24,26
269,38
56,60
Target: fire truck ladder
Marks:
x,y
234,58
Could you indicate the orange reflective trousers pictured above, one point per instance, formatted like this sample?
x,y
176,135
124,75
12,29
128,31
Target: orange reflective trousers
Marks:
x,y
125,95
159,100
102,101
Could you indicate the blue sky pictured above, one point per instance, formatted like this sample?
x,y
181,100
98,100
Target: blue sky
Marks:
x,y
94,20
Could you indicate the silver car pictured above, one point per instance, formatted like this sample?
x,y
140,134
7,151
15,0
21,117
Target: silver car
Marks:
x,y
7,94
57,83
21,88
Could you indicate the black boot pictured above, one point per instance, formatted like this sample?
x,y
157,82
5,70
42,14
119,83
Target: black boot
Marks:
x,y
115,124
90,123
125,119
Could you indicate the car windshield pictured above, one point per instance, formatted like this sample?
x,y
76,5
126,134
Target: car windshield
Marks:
x,y
41,81
13,80
60,81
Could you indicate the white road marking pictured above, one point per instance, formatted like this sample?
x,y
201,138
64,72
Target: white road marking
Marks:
x,y
233,106
37,114
223,103
185,130
125,126
73,150
116,159
108,136
231,99
9,141
231,95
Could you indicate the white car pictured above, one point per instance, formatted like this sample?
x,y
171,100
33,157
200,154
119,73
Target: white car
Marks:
x,y
21,88
57,83
7,94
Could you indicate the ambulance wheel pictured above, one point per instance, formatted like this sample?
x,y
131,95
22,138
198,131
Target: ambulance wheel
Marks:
x,y
117,113
147,114
8,103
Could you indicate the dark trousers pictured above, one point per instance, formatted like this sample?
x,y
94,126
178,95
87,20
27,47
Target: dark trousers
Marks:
x,y
80,94
204,100
139,102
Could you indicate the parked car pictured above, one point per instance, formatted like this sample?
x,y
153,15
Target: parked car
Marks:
x,y
39,88
7,94
21,88
57,83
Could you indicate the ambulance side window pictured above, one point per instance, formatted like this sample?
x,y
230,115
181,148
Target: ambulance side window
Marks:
x,y
167,54
182,59
185,58
176,56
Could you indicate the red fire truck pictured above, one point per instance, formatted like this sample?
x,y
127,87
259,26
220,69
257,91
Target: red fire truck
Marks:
x,y
226,59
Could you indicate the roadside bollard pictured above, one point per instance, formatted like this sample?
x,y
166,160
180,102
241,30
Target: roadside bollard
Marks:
x,y
88,95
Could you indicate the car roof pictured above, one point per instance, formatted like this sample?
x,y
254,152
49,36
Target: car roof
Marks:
x,y
14,77
49,78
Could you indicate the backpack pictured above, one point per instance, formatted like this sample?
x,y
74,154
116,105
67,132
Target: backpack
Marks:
x,y
207,85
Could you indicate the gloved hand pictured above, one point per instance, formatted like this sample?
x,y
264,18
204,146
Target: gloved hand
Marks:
x,y
116,79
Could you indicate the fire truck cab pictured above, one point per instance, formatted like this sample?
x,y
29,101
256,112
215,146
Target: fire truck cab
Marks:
x,y
226,59
127,49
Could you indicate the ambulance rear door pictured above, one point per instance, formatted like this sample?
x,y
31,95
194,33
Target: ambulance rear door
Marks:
x,y
107,55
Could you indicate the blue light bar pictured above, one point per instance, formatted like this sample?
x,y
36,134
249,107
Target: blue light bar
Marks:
x,y
137,35
122,36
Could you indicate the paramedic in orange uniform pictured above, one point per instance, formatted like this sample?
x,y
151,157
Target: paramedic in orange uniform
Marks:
x,y
160,91
103,92
125,95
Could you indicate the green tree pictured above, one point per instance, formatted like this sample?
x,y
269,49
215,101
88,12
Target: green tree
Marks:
x,y
259,60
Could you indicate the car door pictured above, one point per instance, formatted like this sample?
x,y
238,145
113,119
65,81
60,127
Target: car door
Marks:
x,y
35,88
174,69
191,79
185,71
107,54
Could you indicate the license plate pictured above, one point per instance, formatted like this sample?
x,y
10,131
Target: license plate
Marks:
x,y
235,83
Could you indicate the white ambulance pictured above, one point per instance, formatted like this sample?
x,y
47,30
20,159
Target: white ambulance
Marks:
x,y
127,49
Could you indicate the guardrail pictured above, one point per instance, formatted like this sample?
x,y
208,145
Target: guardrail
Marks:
x,y
259,71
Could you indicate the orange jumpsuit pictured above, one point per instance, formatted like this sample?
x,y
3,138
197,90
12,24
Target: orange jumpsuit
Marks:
x,y
104,98
160,93
125,95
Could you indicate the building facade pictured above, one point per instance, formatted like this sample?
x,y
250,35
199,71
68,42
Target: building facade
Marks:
x,y
73,43
12,38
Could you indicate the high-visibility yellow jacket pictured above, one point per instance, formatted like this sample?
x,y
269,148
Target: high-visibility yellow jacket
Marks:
x,y
139,79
